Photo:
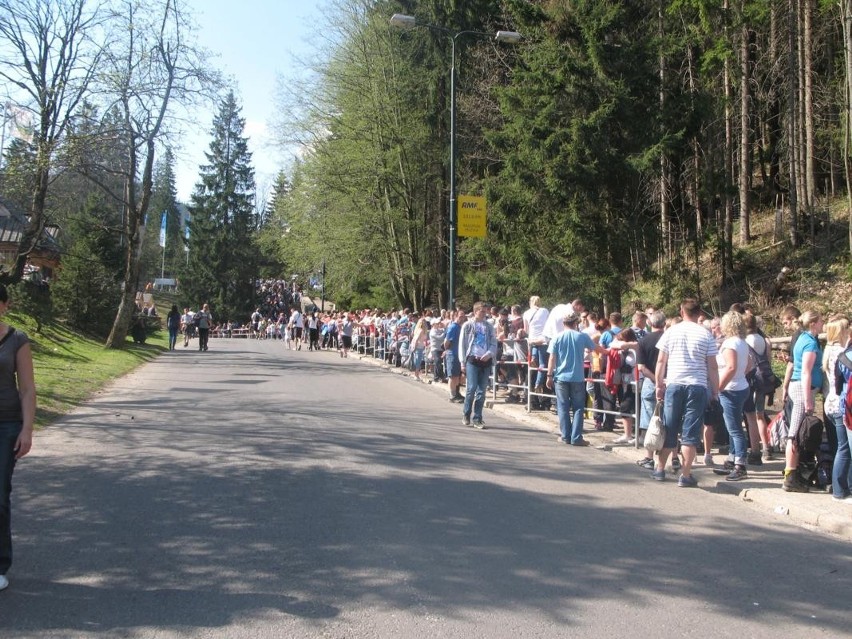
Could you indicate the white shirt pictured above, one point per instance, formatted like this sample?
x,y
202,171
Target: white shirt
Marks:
x,y
738,381
554,324
536,319
688,345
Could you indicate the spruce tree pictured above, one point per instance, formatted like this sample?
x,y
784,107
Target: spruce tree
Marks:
x,y
222,253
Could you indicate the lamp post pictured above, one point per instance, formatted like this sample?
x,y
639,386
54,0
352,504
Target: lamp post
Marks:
x,y
408,22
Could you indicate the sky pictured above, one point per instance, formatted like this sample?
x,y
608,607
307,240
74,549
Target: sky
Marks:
x,y
256,42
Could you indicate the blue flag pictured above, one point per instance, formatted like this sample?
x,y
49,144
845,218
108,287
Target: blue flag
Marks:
x,y
163,229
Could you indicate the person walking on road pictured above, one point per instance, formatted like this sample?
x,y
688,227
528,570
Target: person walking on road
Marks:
x,y
173,324
565,374
17,415
204,320
478,346
686,373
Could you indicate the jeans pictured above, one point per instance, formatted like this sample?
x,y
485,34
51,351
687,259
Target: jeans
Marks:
x,y
732,408
203,334
477,382
683,412
649,403
539,359
437,365
841,475
173,333
9,432
418,360
571,396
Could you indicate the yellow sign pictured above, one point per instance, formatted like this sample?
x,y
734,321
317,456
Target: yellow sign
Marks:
x,y
471,216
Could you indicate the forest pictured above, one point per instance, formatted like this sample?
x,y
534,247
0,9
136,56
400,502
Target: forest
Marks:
x,y
628,152
620,146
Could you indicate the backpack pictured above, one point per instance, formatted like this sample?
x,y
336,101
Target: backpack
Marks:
x,y
809,436
762,378
778,431
839,382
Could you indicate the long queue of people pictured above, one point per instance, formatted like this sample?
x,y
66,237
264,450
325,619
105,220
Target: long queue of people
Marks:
x,y
711,376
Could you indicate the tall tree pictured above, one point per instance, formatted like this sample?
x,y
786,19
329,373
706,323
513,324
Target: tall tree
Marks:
x,y
48,57
223,223
153,66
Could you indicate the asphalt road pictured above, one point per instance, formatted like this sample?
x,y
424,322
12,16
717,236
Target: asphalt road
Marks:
x,y
252,491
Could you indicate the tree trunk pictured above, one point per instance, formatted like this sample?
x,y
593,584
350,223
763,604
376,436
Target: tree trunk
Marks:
x,y
792,119
846,17
728,228
665,164
745,131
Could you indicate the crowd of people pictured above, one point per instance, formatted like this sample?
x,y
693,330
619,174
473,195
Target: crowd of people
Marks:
x,y
711,376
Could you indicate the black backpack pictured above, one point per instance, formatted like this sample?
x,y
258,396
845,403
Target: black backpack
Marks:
x,y
809,436
762,378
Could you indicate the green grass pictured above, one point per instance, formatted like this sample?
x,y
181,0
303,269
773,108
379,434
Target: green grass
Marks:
x,y
70,367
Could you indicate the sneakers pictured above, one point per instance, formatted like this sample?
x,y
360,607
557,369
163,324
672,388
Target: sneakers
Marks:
x,y
687,482
646,462
4,583
737,474
478,424
768,456
465,420
793,483
729,465
582,442
658,475
754,459
624,439
562,440
708,460
675,463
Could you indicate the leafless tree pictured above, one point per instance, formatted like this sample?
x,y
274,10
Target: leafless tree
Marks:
x,y
48,57
149,73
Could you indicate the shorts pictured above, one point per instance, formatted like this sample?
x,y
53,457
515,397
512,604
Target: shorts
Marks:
x,y
297,332
453,364
347,341
683,413
755,402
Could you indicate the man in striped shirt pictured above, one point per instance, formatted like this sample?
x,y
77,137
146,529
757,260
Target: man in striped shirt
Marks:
x,y
686,378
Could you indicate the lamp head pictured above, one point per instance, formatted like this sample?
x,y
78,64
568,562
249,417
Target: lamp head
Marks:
x,y
510,37
403,21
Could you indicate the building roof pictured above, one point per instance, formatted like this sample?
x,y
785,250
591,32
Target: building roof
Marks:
x,y
13,221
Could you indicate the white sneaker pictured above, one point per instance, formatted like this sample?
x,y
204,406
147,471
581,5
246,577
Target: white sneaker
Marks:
x,y
631,441
4,583
624,439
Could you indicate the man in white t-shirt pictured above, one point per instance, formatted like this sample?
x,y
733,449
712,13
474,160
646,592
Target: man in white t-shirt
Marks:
x,y
535,319
296,325
686,373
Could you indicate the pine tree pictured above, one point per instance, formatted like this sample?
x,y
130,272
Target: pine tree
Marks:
x,y
223,256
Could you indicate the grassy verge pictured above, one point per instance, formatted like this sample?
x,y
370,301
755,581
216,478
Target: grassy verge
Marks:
x,y
70,367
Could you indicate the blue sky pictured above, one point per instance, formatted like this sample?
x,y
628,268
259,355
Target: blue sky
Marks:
x,y
256,41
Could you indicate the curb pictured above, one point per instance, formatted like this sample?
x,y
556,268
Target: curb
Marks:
x,y
809,510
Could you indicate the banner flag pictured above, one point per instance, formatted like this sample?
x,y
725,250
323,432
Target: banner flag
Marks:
x,y
163,229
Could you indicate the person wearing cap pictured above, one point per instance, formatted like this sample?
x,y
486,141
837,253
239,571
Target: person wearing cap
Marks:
x,y
565,375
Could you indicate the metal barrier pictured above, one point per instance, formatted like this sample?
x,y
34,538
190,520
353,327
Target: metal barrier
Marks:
x,y
513,363
635,382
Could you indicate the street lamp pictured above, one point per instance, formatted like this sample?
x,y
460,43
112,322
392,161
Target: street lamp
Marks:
x,y
511,37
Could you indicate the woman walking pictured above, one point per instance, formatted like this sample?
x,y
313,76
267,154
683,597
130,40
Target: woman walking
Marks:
x,y
173,324
17,414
